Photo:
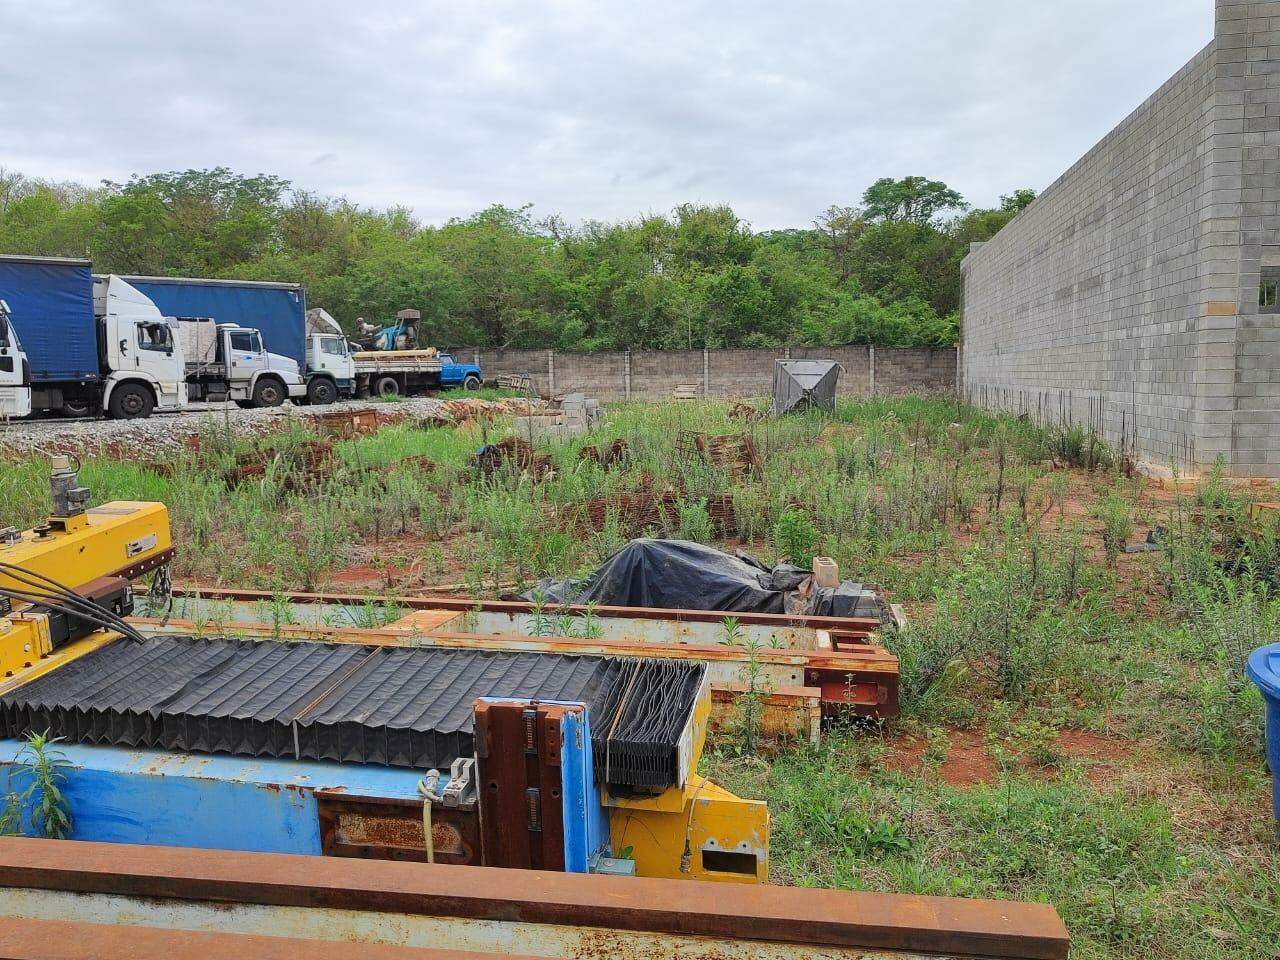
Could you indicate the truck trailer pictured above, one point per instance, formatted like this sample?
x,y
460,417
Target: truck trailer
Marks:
x,y
278,311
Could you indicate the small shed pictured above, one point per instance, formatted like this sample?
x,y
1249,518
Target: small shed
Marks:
x,y
804,384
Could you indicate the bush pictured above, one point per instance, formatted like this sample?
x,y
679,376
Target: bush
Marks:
x,y
795,538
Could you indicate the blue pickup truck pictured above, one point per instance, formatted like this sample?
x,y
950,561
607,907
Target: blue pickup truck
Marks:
x,y
409,372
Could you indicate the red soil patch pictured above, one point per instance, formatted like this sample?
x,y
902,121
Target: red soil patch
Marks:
x,y
1103,755
967,764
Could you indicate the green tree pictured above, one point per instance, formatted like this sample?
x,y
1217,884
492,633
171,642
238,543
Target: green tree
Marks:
x,y
910,200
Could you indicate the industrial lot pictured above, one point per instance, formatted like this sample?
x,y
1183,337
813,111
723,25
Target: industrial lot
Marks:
x,y
326,638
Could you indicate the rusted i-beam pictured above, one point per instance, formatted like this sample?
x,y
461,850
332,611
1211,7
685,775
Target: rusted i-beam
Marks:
x,y
761,914
852,625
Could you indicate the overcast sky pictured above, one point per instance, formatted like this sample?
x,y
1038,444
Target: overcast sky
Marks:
x,y
594,110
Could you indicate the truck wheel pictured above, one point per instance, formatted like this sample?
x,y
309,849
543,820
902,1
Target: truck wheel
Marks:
x,y
131,401
76,408
386,387
322,392
471,383
269,392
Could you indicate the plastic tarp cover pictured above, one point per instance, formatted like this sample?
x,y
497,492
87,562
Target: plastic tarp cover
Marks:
x,y
278,312
52,312
800,384
681,575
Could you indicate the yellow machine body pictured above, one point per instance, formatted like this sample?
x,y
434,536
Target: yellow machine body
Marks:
x,y
711,835
120,539
698,831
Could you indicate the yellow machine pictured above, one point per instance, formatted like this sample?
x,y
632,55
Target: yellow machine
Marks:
x,y
66,580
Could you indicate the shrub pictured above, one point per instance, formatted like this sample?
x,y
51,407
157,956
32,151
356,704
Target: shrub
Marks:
x,y
795,537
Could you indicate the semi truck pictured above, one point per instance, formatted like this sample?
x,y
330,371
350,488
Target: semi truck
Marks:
x,y
99,345
278,311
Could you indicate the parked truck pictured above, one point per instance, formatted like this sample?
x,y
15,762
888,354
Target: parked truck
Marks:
x,y
278,311
85,354
395,366
100,345
15,371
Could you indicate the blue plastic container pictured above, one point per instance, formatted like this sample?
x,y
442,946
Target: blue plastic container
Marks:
x,y
1264,670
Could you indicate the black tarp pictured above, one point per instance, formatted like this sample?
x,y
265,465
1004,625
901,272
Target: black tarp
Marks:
x,y
681,575
395,706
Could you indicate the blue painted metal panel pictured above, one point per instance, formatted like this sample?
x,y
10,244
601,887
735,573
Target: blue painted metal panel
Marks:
x,y
52,304
586,825
278,311
119,795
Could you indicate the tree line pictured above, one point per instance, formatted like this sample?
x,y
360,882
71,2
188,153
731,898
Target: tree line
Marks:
x,y
885,271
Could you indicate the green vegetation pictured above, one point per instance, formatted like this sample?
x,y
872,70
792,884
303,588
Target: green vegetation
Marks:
x,y
885,273
1077,726
33,802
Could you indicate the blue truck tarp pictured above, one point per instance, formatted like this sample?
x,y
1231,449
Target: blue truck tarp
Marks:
x,y
52,304
278,310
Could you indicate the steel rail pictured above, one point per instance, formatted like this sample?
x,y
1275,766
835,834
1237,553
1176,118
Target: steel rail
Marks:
x,y
852,625
814,918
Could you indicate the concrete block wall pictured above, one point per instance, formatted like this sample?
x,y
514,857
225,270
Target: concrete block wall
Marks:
x,y
654,375
1126,297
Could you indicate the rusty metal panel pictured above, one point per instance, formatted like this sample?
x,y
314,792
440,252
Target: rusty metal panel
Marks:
x,y
380,828
813,918
521,807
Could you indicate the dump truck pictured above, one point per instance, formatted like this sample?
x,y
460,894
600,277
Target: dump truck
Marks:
x,y
278,311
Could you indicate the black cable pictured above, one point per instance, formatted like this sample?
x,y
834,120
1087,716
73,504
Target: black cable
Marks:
x,y
79,606
33,578
98,615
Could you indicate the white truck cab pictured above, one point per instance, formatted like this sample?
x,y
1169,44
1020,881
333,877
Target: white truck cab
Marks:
x,y
15,385
331,368
143,352
225,361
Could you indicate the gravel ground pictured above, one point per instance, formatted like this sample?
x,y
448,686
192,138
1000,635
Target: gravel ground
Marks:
x,y
170,431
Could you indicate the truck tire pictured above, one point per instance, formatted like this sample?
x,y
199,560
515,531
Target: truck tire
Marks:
x,y
131,401
386,387
269,392
76,408
471,383
322,391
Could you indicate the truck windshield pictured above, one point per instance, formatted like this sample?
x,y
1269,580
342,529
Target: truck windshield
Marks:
x,y
250,341
334,346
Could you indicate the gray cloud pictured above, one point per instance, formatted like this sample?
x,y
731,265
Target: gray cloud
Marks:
x,y
588,109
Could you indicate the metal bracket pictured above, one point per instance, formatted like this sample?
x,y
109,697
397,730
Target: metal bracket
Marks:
x,y
461,789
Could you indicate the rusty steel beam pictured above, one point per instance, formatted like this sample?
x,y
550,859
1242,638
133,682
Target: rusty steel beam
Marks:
x,y
854,626
815,918
26,939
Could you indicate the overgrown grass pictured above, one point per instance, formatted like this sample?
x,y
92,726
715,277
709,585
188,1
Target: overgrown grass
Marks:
x,y
1029,620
